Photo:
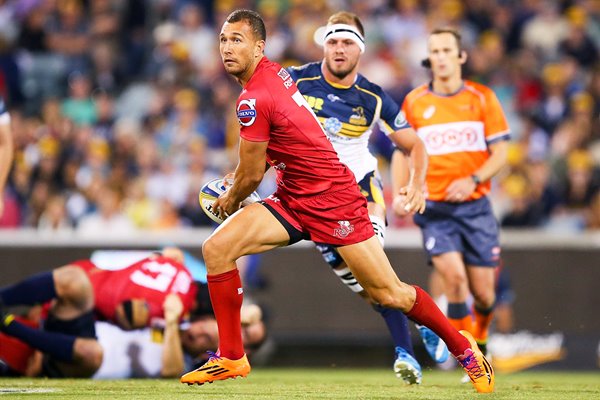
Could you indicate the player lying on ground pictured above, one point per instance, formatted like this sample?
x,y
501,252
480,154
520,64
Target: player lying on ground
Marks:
x,y
316,198
158,287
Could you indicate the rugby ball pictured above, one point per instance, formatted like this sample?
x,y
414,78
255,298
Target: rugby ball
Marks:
x,y
211,191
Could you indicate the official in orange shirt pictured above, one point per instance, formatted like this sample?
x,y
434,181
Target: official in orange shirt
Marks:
x,y
466,134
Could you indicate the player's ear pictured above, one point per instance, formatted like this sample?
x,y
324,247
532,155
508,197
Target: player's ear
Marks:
x,y
462,57
259,49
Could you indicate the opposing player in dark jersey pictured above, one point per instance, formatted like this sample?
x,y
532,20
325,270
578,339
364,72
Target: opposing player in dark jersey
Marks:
x,y
6,150
316,198
79,293
350,107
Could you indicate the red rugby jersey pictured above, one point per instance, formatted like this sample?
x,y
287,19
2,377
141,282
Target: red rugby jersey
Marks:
x,y
270,108
151,279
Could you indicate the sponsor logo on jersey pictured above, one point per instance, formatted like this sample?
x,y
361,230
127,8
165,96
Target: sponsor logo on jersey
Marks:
x,y
246,112
332,125
453,137
345,229
274,198
286,78
429,111
400,120
333,98
430,243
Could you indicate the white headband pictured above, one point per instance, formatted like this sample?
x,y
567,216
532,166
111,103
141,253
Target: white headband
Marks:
x,y
340,31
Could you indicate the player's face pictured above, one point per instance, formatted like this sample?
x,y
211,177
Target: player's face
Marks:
x,y
238,47
341,57
444,56
202,335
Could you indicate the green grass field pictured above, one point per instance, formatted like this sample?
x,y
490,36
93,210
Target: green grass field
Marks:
x,y
333,383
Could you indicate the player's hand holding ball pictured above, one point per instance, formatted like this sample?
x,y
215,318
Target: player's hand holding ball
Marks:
x,y
215,200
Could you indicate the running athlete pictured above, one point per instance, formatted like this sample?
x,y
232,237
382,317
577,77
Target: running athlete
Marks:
x,y
80,292
349,107
316,198
6,150
466,134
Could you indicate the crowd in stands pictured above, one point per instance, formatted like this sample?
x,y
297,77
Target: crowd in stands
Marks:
x,y
121,110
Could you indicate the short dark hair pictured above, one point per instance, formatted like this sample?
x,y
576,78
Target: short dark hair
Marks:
x,y
253,19
451,31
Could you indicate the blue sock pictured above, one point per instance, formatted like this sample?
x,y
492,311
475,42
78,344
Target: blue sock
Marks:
x,y
458,310
36,289
397,324
57,345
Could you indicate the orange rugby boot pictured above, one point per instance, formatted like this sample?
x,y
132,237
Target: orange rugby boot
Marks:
x,y
217,368
477,366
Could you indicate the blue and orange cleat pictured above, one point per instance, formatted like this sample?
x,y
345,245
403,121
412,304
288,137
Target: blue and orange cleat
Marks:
x,y
217,368
478,368
407,368
436,348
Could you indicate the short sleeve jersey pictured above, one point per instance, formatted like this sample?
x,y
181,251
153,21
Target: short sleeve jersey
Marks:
x,y
348,114
457,130
270,108
151,279
4,115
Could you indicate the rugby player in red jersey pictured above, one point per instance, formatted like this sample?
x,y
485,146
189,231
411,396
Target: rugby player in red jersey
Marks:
x,y
316,198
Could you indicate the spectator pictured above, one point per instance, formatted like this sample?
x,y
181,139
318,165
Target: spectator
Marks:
x,y
108,219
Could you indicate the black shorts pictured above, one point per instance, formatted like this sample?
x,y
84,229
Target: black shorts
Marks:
x,y
83,326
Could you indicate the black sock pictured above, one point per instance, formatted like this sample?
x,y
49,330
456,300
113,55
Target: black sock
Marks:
x,y
57,345
36,289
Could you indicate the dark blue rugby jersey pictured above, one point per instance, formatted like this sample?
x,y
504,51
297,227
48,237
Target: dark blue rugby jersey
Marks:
x,y
348,114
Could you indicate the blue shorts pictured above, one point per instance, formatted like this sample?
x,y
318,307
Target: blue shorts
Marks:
x,y
82,326
372,188
469,228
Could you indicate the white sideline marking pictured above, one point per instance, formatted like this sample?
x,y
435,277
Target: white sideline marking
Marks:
x,y
4,391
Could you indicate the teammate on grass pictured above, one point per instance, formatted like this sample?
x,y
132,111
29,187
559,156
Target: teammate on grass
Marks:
x,y
466,134
349,107
316,198
166,349
80,292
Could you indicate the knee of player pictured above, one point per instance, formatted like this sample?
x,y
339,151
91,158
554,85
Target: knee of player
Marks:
x,y
484,298
455,279
216,251
89,353
72,284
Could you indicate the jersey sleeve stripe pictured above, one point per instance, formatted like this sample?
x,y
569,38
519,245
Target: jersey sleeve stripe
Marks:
x,y
311,78
504,135
5,118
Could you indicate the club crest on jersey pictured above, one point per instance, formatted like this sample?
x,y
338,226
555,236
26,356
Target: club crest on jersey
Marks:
x,y
344,230
246,112
358,118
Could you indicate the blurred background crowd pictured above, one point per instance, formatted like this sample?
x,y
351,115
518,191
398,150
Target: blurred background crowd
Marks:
x,y
121,110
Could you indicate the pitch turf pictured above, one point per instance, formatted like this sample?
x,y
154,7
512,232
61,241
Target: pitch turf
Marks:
x,y
332,383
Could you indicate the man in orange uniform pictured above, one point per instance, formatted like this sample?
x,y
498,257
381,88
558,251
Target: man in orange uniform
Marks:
x,y
466,134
